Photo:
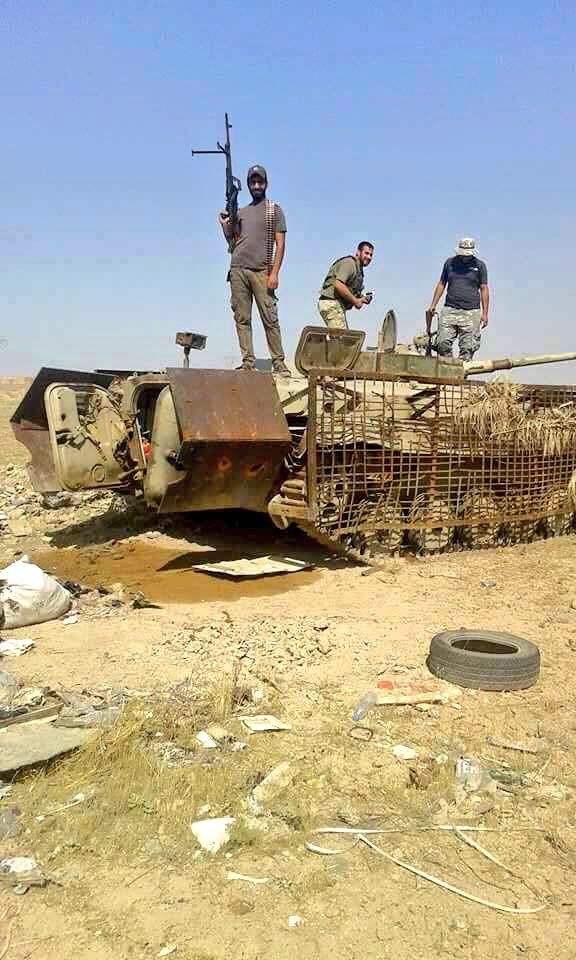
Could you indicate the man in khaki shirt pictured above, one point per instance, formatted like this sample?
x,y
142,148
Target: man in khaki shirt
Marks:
x,y
343,287
255,270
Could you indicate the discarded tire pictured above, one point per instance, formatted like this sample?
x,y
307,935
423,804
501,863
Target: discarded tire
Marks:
x,y
484,660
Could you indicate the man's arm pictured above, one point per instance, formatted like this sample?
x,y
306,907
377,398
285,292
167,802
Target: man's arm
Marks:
x,y
438,291
224,221
342,290
485,301
279,248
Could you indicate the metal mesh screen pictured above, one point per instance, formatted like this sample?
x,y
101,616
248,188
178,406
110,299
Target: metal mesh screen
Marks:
x,y
437,464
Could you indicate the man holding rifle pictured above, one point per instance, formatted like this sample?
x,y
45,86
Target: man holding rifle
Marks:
x,y
465,312
257,243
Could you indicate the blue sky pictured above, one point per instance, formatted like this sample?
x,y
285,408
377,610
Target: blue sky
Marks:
x,y
406,123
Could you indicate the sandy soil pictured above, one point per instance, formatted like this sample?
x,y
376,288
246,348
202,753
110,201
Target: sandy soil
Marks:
x,y
316,641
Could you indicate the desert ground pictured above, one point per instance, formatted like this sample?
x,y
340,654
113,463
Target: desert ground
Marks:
x,y
127,877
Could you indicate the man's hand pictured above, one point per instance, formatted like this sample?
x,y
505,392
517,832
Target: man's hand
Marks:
x,y
367,298
359,303
272,281
483,321
223,218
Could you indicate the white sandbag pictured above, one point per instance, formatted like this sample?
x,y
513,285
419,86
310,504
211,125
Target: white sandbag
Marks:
x,y
28,595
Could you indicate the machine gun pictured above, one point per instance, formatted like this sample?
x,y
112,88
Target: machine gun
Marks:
x,y
233,187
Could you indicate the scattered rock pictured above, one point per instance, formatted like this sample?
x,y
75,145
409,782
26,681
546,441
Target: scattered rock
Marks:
x,y
57,501
271,786
22,873
23,745
404,753
9,826
19,527
212,834
421,774
295,921
152,848
241,907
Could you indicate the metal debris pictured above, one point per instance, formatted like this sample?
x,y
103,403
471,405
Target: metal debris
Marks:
x,y
257,567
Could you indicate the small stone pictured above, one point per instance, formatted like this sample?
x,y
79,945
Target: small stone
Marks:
x,y
241,907
404,753
383,929
152,848
270,787
324,646
19,527
9,826
488,583
294,920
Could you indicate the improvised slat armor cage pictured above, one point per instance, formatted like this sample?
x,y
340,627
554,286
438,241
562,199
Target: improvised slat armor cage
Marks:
x,y
432,466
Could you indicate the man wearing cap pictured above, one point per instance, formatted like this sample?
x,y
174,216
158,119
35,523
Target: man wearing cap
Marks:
x,y
465,311
257,256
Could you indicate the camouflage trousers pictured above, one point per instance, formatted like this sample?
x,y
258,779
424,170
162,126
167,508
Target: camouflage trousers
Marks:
x,y
245,287
464,324
333,314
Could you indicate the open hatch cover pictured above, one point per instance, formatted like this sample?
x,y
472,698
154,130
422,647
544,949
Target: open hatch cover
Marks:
x,y
326,348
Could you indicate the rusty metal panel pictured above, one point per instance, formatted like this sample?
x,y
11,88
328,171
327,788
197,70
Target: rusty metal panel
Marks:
x,y
222,476
436,465
41,466
232,406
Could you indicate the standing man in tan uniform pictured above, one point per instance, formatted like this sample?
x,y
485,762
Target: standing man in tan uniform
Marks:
x,y
343,286
255,269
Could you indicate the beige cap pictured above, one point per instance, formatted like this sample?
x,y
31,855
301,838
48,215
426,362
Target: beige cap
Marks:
x,y
466,247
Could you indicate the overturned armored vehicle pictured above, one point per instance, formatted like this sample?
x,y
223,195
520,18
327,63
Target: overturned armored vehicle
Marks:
x,y
367,450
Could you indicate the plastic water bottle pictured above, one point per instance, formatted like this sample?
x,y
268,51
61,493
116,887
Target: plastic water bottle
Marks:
x,y
365,704
472,775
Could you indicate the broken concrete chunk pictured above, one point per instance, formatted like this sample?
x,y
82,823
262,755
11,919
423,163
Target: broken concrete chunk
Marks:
x,y
22,873
271,786
212,834
404,753
26,745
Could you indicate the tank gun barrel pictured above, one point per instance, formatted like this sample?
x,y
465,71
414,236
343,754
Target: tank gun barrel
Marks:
x,y
506,363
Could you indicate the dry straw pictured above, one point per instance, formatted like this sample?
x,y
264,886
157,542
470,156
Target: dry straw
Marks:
x,y
501,413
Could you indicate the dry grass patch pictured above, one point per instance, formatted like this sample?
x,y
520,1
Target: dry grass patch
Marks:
x,y
147,778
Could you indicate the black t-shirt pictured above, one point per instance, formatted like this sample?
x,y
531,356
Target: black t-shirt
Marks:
x,y
464,276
